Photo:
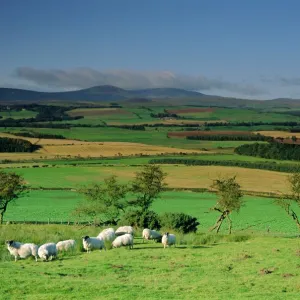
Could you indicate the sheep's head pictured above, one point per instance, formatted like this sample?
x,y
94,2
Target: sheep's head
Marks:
x,y
85,237
9,243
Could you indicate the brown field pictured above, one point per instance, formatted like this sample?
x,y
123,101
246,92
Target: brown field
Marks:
x,y
283,134
194,122
202,177
52,148
93,112
183,134
190,110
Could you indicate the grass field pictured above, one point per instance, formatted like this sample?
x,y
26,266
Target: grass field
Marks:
x,y
179,176
257,213
18,114
256,267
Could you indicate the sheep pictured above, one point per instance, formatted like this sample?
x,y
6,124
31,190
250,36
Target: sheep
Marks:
x,y
107,235
123,230
123,240
47,251
67,245
18,249
90,243
168,239
149,234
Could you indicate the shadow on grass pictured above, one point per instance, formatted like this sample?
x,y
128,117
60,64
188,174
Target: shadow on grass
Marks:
x,y
178,247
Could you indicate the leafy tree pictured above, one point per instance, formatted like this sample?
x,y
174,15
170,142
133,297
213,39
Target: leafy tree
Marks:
x,y
287,201
147,186
12,187
142,219
105,201
230,200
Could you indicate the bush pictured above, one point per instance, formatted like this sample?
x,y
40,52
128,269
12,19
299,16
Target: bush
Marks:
x,y
137,218
179,221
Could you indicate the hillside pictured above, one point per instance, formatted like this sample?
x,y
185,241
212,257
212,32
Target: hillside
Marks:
x,y
97,93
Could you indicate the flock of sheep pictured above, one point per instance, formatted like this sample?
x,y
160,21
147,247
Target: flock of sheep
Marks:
x,y
123,236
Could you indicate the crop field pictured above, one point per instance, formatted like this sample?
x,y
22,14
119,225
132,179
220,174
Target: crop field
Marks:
x,y
179,176
257,213
283,134
183,134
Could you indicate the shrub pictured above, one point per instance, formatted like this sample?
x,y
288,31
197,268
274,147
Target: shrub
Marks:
x,y
142,219
179,221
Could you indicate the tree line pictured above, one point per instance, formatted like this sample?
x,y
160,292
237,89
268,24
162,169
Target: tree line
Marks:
x,y
16,145
38,135
272,150
271,166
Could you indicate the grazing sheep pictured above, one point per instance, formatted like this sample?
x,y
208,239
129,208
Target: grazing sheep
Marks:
x,y
123,230
47,251
90,243
18,249
149,234
66,245
168,239
107,235
123,240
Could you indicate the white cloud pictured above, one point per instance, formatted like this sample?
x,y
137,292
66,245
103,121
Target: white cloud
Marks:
x,y
87,77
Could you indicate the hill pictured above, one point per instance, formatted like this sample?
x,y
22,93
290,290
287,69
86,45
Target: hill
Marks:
x,y
97,93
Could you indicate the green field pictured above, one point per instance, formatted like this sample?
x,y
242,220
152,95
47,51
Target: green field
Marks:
x,y
18,114
200,267
257,214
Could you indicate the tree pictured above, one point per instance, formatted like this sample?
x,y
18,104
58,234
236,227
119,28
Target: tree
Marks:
x,y
147,186
106,201
12,187
287,201
230,200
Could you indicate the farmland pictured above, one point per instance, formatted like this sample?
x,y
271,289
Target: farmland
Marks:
x,y
93,149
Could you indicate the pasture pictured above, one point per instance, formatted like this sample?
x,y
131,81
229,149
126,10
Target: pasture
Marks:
x,y
257,214
201,266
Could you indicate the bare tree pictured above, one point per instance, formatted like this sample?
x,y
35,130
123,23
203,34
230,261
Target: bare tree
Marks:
x,y
229,200
292,199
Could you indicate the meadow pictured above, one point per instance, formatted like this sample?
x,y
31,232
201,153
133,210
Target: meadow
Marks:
x,y
201,266
258,214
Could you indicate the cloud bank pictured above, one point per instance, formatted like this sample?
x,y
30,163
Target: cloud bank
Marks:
x,y
86,77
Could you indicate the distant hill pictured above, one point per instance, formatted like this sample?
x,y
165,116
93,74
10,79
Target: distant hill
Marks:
x,y
168,96
97,93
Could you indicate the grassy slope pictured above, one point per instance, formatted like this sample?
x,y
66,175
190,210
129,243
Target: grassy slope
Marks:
x,y
18,114
222,270
257,213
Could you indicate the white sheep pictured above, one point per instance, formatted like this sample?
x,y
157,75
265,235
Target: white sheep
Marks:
x,y
66,245
123,240
107,235
168,239
90,243
18,249
123,230
149,234
47,251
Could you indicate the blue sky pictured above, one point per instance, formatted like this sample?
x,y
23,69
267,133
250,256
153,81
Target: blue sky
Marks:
x,y
240,48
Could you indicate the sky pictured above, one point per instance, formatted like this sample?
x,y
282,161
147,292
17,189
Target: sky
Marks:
x,y
240,48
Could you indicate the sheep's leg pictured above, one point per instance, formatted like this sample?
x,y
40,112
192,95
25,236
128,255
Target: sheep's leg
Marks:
x,y
16,258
